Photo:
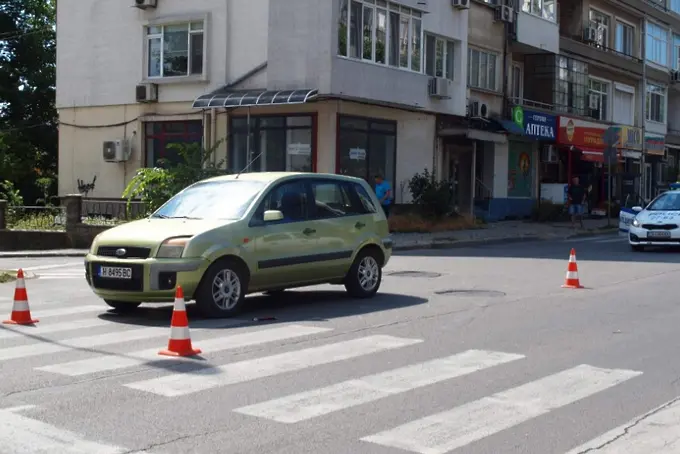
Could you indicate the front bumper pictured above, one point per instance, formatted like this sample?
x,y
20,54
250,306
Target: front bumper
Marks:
x,y
638,236
151,280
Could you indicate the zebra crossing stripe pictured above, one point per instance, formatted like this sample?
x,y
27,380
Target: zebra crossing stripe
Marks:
x,y
70,310
452,429
231,342
23,331
656,432
99,340
350,393
182,384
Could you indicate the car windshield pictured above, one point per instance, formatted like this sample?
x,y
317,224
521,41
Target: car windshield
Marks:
x,y
668,201
211,200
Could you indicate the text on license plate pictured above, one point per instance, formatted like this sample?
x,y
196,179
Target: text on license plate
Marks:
x,y
114,272
659,234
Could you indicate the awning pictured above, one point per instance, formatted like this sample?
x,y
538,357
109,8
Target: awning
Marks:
x,y
224,97
509,126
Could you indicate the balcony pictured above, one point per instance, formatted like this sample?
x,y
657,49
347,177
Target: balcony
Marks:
x,y
538,30
590,47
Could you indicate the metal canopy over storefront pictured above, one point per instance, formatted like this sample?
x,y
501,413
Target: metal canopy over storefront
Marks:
x,y
228,98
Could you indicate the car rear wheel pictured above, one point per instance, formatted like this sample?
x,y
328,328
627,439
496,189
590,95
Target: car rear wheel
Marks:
x,y
223,289
365,274
122,306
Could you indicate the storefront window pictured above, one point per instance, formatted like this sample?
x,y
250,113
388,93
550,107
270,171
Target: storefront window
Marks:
x,y
367,147
160,134
276,144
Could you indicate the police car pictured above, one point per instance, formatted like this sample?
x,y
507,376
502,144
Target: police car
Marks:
x,y
658,224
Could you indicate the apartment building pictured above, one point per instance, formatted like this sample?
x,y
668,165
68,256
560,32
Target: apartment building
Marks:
x,y
348,86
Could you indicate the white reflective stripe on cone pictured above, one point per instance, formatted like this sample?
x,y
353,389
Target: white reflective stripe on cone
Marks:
x,y
179,305
572,275
20,306
21,283
179,332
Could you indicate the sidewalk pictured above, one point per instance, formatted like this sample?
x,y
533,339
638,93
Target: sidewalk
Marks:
x,y
499,232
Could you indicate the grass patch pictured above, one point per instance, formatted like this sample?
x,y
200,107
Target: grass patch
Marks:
x,y
414,223
7,276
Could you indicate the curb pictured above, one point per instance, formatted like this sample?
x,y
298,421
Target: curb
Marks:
x,y
40,254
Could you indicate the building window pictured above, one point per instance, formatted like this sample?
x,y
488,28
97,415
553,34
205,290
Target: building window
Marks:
x,y
675,6
277,144
439,57
625,39
517,84
655,103
367,147
175,50
541,8
623,111
656,44
381,32
676,51
482,69
159,136
571,86
600,22
598,99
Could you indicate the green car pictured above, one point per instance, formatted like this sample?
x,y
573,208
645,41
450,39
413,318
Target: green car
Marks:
x,y
229,236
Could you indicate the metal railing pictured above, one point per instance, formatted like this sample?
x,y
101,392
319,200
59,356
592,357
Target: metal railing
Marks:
x,y
36,218
111,211
482,191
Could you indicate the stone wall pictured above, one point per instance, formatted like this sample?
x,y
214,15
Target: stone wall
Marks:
x,y
75,235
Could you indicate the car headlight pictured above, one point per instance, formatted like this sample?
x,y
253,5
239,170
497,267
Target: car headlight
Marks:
x,y
172,248
636,223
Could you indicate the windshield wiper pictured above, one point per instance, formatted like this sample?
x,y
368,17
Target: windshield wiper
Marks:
x,y
163,216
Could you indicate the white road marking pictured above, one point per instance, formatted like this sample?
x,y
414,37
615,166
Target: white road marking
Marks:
x,y
656,432
9,332
452,429
45,348
68,310
51,267
243,371
234,341
23,435
350,393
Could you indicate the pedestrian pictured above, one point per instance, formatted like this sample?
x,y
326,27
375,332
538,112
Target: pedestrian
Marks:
x,y
576,197
383,190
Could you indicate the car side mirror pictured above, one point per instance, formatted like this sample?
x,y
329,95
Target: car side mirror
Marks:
x,y
637,209
272,215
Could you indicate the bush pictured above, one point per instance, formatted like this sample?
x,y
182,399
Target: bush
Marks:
x,y
546,211
155,186
414,223
431,196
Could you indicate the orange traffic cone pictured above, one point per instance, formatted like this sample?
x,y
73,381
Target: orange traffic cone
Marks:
x,y
180,340
571,280
21,313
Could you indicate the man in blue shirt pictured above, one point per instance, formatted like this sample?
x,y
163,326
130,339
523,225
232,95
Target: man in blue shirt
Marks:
x,y
383,191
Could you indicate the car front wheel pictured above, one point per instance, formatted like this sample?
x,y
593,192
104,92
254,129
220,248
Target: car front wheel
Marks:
x,y
122,306
365,274
222,290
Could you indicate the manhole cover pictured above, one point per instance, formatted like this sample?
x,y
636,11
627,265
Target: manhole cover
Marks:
x,y
414,274
488,293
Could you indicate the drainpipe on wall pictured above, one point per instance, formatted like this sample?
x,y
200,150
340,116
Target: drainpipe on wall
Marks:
x,y
643,97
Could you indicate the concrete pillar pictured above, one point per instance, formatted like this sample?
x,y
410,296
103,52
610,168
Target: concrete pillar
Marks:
x,y
72,204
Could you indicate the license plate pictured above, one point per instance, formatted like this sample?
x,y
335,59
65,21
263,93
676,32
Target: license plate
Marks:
x,y
114,272
658,234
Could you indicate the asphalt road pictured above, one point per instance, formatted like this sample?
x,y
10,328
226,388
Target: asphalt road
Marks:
x,y
473,350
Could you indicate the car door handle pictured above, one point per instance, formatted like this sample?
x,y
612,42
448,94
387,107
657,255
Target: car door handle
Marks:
x,y
308,231
359,225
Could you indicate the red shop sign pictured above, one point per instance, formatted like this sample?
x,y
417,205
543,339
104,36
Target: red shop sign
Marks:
x,y
580,133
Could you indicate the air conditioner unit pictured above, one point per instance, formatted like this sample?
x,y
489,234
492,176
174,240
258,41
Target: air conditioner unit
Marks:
x,y
549,154
115,151
439,87
593,102
590,34
504,13
460,4
478,109
146,93
145,4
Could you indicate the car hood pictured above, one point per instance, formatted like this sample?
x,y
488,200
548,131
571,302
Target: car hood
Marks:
x,y
150,232
659,217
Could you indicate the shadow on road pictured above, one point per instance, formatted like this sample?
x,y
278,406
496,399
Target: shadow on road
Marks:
x,y
586,249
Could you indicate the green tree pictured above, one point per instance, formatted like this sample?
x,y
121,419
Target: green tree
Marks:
x,y
28,118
